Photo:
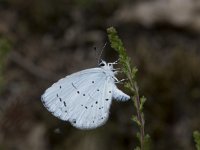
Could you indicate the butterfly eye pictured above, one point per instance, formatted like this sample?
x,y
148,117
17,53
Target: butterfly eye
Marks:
x,y
102,64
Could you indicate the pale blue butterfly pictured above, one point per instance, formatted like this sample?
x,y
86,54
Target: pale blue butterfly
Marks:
x,y
84,98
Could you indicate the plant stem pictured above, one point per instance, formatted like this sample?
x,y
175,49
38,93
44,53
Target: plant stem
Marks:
x,y
130,72
139,116
136,100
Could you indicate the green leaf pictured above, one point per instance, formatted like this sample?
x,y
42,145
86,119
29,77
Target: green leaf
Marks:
x,y
142,101
128,86
135,101
133,72
196,136
135,119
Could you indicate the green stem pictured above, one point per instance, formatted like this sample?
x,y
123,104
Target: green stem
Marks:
x,y
139,116
130,72
136,100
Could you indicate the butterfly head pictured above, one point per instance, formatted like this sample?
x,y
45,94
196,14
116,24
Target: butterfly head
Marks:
x,y
106,66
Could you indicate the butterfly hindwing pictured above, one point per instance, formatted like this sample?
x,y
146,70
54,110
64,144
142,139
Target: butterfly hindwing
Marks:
x,y
119,95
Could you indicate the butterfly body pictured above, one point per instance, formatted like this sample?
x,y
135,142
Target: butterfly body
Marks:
x,y
84,98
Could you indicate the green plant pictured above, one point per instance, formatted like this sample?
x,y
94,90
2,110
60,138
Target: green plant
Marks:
x,y
196,136
130,71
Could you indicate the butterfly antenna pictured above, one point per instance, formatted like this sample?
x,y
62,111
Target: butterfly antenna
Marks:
x,y
99,58
95,49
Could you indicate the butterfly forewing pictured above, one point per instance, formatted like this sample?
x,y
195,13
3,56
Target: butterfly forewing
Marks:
x,y
83,98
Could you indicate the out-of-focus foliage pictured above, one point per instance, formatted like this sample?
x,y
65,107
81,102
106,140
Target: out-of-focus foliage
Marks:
x,y
196,136
5,47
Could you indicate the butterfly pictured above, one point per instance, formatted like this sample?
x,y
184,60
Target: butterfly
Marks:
x,y
84,98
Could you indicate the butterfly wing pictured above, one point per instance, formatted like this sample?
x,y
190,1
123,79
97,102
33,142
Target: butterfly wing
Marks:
x,y
94,111
119,95
82,98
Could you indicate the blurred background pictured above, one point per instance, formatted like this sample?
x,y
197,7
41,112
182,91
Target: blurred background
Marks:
x,y
44,40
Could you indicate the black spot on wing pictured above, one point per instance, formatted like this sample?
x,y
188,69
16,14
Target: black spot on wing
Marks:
x,y
64,104
101,107
74,121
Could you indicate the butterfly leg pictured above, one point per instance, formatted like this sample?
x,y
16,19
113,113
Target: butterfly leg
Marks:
x,y
114,63
117,70
120,81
